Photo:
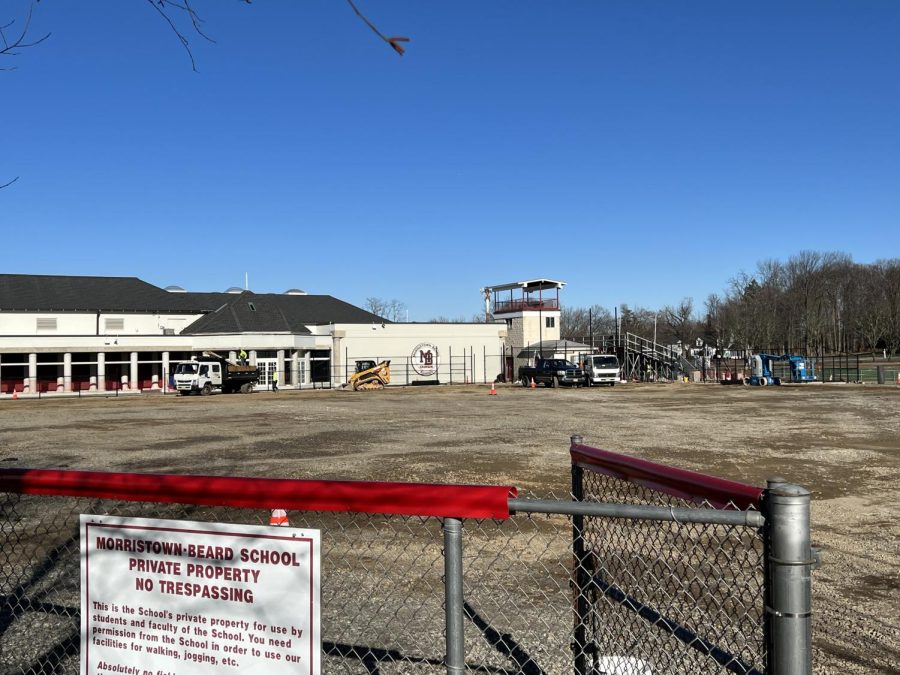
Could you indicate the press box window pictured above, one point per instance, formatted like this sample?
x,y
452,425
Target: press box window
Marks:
x,y
114,324
46,324
551,322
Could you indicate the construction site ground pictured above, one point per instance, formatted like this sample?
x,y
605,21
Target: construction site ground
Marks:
x,y
840,441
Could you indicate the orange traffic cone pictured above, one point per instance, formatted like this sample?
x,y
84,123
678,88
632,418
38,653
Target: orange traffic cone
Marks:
x,y
493,389
16,394
279,518
898,377
533,385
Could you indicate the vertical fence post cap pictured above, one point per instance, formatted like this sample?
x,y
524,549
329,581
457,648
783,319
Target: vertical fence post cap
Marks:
x,y
576,439
788,490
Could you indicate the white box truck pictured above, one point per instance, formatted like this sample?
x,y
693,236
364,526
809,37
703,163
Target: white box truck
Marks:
x,y
600,369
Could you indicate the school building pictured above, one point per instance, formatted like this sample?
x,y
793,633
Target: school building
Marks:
x,y
68,334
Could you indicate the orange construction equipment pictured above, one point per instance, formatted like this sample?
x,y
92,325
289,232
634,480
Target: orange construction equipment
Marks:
x,y
533,385
493,389
279,518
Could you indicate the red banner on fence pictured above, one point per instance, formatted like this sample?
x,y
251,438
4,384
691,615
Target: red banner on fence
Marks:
x,y
668,479
407,499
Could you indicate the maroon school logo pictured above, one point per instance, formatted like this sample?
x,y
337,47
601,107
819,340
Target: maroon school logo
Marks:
x,y
425,359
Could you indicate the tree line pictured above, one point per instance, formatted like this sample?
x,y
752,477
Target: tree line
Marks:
x,y
813,303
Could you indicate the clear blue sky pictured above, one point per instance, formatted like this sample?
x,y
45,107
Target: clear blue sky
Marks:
x,y
640,151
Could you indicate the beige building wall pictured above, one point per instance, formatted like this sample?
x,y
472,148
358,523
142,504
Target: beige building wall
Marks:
x,y
527,329
476,349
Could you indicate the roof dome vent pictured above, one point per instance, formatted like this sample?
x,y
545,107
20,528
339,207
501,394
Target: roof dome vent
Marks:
x,y
295,291
235,289
175,289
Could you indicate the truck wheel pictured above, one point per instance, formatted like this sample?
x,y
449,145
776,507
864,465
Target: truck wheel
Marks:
x,y
207,389
525,382
763,382
554,382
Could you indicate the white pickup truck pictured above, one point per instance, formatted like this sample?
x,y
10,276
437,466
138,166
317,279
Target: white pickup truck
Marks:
x,y
600,369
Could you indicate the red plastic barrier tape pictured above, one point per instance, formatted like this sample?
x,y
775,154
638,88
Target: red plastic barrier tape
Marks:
x,y
669,480
407,499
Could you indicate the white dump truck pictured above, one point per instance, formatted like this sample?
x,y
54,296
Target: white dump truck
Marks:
x,y
210,373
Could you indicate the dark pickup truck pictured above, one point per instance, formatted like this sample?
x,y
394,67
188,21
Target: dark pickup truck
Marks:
x,y
552,373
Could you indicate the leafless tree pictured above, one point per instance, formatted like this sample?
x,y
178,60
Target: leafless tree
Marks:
x,y
889,275
392,310
716,332
579,324
680,321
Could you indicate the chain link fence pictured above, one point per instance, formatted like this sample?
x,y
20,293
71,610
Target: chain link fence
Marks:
x,y
612,583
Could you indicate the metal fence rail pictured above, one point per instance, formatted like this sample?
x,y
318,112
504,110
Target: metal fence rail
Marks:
x,y
426,578
686,594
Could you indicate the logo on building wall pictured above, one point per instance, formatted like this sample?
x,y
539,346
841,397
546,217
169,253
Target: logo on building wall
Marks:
x,y
424,359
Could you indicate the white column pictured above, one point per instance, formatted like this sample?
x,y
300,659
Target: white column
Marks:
x,y
279,366
133,377
252,357
165,371
32,372
67,371
295,369
101,371
232,356
336,376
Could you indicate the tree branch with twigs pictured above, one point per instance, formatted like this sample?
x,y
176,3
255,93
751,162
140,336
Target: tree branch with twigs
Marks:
x,y
177,14
12,42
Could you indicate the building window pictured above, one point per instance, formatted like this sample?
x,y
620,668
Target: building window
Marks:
x,y
509,324
46,324
551,322
115,325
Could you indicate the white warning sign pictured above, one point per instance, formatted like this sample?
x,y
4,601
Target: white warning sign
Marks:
x,y
171,597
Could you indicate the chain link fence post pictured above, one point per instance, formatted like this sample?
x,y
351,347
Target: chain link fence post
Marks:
x,y
580,580
789,564
453,597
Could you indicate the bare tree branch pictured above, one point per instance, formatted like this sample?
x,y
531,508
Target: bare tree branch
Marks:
x,y
392,41
9,183
162,6
13,46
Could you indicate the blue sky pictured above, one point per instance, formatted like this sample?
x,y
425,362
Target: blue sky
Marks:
x,y
639,151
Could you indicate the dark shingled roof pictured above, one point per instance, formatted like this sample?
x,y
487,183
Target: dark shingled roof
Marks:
x,y
224,312
44,293
270,312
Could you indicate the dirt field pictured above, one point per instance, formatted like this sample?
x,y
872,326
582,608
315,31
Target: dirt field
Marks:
x,y
840,441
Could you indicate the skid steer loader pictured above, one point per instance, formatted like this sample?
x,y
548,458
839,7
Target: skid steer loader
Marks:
x,y
370,375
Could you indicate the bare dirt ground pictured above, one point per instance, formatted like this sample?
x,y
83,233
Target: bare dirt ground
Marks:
x,y
840,441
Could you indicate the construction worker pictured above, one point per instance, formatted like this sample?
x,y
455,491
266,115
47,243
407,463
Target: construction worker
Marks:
x,y
275,381
242,356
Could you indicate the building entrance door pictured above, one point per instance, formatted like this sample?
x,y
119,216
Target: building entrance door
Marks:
x,y
266,369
